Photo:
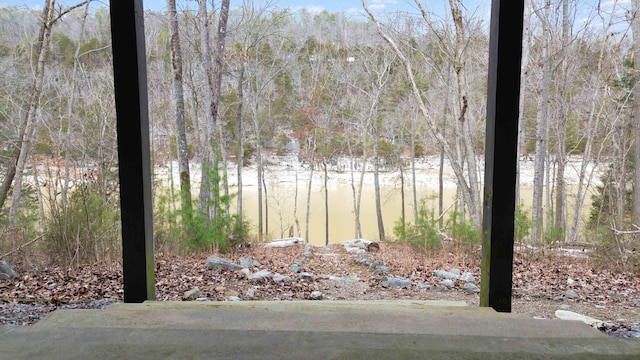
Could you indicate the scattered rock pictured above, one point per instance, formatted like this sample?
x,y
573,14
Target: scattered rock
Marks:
x,y
470,288
455,271
447,274
307,252
214,262
307,276
6,272
295,268
246,272
251,293
570,315
234,298
396,282
359,245
191,295
260,275
448,283
422,285
316,295
571,294
248,263
378,266
282,278
364,259
284,242
468,277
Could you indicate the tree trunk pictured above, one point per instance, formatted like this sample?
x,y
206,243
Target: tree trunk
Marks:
x,y
42,47
266,205
326,203
376,181
240,153
256,124
465,122
181,128
402,206
207,132
561,133
414,190
537,211
635,29
526,45
306,233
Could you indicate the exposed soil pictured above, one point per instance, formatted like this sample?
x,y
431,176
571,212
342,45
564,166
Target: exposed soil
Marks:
x,y
541,283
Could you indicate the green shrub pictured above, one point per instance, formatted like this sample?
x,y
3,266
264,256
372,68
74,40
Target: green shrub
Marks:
x,y
523,224
423,234
465,234
87,231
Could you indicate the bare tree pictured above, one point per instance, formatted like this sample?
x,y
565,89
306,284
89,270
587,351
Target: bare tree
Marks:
x,y
178,100
16,169
468,189
635,29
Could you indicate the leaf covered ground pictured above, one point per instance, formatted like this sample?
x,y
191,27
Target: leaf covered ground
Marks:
x,y
541,284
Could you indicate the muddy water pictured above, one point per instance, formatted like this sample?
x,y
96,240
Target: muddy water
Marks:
x,y
282,202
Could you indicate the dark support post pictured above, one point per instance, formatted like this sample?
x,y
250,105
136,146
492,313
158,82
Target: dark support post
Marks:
x,y
130,83
505,52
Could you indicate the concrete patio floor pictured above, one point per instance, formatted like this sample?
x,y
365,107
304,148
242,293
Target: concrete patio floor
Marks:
x,y
306,330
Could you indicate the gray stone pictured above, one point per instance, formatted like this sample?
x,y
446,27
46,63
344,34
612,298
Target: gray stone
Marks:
x,y
307,251
251,293
364,259
260,275
468,277
422,285
316,295
307,276
378,266
564,307
214,262
455,271
6,272
471,288
396,282
448,283
248,263
295,268
571,294
281,278
446,274
192,294
234,298
246,271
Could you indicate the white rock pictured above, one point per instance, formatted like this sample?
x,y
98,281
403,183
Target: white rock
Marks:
x,y
448,283
260,275
570,315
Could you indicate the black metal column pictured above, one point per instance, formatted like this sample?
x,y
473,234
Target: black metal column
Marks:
x,y
505,52
130,82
